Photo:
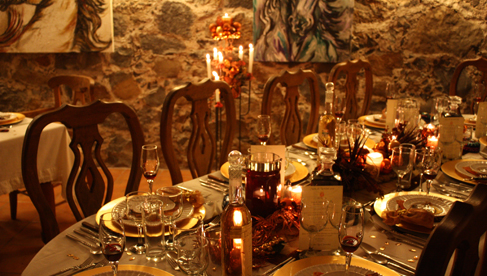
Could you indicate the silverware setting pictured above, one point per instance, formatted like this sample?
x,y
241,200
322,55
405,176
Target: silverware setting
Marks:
x,y
172,262
278,266
75,267
369,249
90,266
93,248
213,186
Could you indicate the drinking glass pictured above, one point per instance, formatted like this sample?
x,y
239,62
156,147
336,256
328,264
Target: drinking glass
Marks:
x,y
432,164
112,238
173,209
263,128
351,230
335,214
192,249
441,105
154,229
419,165
149,163
390,91
339,105
134,212
402,160
313,218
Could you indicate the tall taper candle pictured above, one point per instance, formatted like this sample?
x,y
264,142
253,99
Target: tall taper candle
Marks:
x,y
208,65
251,57
240,52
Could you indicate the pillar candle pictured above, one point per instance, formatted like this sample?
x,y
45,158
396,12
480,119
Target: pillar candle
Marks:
x,y
375,159
432,142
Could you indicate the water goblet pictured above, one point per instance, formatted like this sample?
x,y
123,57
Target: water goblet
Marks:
x,y
134,212
351,230
173,206
340,106
112,238
192,249
263,128
313,219
149,163
402,160
432,164
419,165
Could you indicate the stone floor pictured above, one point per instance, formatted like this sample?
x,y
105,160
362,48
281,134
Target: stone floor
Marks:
x,y
20,239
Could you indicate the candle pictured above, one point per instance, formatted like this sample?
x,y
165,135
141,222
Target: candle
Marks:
x,y
251,57
240,52
220,57
215,54
432,142
227,19
375,159
208,65
259,194
217,92
296,192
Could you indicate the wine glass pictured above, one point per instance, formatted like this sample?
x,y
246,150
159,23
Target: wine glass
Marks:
x,y
192,249
340,106
335,214
402,160
432,164
263,128
390,91
150,163
173,205
419,165
134,212
313,218
351,229
112,238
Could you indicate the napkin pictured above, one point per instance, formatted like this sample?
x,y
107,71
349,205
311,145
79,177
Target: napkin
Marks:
x,y
414,216
6,116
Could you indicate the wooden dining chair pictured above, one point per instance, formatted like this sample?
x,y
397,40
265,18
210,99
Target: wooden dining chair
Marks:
x,y
90,183
481,65
458,235
352,70
291,126
202,144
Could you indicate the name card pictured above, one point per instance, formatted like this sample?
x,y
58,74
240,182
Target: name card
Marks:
x,y
451,137
391,113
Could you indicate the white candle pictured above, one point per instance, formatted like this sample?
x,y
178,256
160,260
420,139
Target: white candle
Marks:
x,y
251,57
217,92
208,65
432,142
240,52
260,194
215,54
226,18
220,57
296,192
375,159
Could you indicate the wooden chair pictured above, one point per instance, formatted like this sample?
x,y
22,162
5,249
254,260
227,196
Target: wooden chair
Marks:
x,y
291,126
82,88
352,69
459,235
481,64
86,189
202,144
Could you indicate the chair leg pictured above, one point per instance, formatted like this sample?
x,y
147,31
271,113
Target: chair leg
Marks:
x,y
13,204
48,191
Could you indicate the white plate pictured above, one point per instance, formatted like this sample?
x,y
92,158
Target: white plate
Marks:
x,y
291,169
334,270
375,119
6,116
441,205
480,168
459,167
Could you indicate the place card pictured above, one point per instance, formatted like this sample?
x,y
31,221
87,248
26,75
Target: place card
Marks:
x,y
481,124
451,137
391,113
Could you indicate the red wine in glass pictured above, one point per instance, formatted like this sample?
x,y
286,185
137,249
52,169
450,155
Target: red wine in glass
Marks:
x,y
350,244
113,252
263,138
429,175
339,114
150,175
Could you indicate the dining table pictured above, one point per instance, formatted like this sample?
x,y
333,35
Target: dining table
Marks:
x,y
54,158
402,246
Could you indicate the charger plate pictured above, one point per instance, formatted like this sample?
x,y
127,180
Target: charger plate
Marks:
x,y
370,121
449,169
300,171
125,270
297,266
308,141
130,231
17,118
483,140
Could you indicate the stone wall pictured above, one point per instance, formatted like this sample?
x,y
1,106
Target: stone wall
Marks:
x,y
162,44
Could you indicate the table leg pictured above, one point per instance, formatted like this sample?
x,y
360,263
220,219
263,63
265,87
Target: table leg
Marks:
x,y
48,191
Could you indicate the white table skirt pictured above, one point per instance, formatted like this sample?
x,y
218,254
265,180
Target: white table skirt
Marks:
x,y
54,159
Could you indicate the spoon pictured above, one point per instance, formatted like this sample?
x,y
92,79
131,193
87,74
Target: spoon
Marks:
x,y
369,249
383,261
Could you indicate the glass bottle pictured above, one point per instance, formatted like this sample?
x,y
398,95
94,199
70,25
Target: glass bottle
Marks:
x,y
236,224
454,111
327,124
324,174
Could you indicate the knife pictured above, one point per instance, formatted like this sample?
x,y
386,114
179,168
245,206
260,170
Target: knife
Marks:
x,y
89,244
90,226
217,179
405,238
90,237
223,185
92,233
212,186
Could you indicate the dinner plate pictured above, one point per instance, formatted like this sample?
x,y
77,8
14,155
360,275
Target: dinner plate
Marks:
x,y
334,270
470,119
131,231
480,168
17,118
299,172
6,116
297,266
463,167
380,206
483,140
449,169
441,205
371,121
308,141
125,270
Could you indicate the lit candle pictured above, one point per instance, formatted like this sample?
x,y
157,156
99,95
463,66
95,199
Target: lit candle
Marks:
x,y
215,54
208,65
217,92
251,57
375,159
259,194
240,52
296,192
432,142
227,19
237,251
220,57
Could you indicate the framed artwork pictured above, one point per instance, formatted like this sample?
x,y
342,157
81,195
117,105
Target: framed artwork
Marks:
x,y
302,30
55,26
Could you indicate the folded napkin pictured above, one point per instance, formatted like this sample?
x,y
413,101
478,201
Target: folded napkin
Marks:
x,y
6,116
414,216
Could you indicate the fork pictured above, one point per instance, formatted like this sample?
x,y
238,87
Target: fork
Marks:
x,y
76,267
172,263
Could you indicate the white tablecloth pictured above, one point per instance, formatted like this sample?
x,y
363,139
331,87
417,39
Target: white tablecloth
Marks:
x,y
54,159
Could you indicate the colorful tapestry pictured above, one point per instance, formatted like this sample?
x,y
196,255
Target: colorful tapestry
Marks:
x,y
56,26
302,30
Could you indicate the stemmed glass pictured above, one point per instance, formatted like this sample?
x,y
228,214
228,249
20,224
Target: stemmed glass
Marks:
x,y
173,200
313,218
149,163
134,213
402,160
432,164
263,128
192,249
419,165
112,238
351,230
335,214
339,106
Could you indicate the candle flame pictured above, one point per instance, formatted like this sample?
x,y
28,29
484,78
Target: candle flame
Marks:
x,y
208,56
226,15
251,46
215,74
237,243
237,218
240,48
